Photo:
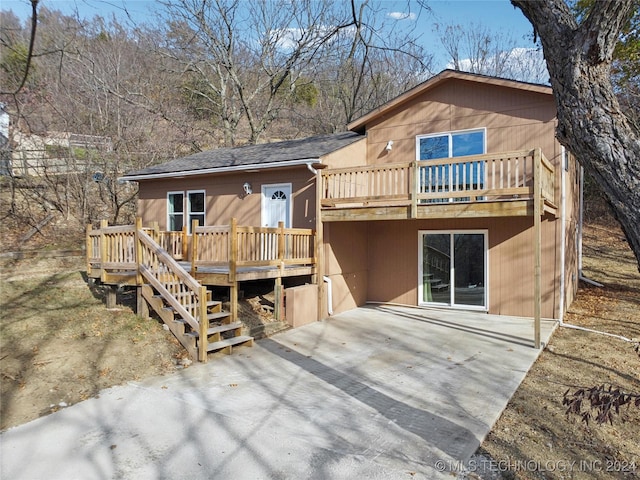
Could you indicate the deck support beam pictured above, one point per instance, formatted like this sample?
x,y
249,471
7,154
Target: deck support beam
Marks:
x,y
233,269
319,246
142,307
278,303
537,246
112,296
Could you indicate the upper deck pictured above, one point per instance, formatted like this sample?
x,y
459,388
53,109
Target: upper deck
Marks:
x,y
490,185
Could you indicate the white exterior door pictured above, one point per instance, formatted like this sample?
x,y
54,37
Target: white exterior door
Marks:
x,y
276,205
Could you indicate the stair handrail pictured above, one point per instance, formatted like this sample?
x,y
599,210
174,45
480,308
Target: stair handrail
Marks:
x,y
180,290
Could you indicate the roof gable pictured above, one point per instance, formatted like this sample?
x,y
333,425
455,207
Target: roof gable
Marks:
x,y
359,124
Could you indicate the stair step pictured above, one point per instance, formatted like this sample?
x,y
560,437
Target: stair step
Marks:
x,y
229,342
217,315
210,316
225,327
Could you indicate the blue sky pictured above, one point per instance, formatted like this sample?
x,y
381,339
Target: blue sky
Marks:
x,y
497,15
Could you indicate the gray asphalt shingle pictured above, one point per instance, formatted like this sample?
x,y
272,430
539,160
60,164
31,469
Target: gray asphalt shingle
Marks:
x,y
248,155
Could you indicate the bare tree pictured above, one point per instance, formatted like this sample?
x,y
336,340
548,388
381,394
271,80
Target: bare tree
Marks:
x,y
476,48
591,124
241,61
374,61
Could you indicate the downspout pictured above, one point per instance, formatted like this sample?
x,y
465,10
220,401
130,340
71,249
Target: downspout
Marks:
x,y
327,280
311,169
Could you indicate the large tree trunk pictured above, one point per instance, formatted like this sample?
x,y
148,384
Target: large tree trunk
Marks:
x,y
590,122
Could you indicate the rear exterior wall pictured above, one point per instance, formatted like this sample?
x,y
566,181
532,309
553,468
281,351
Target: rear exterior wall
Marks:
x,y
379,261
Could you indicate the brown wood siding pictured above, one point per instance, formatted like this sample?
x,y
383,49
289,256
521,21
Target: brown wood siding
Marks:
x,y
225,197
350,156
392,260
346,263
515,120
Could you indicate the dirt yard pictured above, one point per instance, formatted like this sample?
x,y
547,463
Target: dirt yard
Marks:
x,y
534,438
60,345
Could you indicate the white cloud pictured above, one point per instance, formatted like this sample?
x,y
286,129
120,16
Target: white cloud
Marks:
x,y
402,16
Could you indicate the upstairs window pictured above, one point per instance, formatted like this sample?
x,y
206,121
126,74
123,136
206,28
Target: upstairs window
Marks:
x,y
455,177
451,144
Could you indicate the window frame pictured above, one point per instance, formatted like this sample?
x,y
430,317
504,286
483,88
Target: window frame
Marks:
x,y
169,213
186,212
450,135
190,212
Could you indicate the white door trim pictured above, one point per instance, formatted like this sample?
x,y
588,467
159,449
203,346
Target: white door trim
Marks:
x,y
288,191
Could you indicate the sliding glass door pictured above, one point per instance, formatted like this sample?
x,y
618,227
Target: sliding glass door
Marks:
x,y
453,268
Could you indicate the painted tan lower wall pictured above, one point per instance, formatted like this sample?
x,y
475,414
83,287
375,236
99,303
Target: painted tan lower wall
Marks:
x,y
391,265
345,264
225,197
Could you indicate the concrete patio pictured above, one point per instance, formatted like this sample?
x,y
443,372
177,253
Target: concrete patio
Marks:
x,y
379,392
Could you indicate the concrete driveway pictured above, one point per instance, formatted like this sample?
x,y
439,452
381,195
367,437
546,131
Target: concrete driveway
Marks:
x,y
378,392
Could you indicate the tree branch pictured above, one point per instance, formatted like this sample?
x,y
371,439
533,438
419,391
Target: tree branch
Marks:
x,y
32,41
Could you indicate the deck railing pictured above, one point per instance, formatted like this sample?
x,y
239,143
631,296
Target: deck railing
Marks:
x,y
470,178
244,246
228,246
112,248
184,294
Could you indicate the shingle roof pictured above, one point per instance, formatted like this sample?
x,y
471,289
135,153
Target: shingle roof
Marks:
x,y
311,148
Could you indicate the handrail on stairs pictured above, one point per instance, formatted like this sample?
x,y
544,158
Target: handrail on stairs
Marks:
x,y
179,289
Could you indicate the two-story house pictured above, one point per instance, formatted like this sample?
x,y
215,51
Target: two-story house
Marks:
x,y
455,194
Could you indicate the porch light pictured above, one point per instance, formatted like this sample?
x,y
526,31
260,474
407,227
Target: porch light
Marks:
x,y
389,145
247,188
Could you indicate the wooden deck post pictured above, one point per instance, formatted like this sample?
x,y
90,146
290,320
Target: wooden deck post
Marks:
x,y
233,264
185,242
203,325
413,189
277,293
138,247
537,241
194,247
112,298
103,248
142,308
319,247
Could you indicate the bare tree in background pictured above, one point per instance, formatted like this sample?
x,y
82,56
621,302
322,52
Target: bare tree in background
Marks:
x,y
371,63
476,48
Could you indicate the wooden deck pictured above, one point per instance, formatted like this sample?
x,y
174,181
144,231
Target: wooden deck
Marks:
x,y
171,271
494,185
213,255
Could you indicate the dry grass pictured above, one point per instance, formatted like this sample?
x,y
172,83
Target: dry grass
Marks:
x,y
60,345
534,438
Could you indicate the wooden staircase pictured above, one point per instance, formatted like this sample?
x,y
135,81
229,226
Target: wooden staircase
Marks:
x,y
186,307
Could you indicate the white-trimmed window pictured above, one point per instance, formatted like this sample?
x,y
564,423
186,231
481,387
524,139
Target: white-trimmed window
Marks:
x,y
453,268
195,207
175,211
183,209
459,176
